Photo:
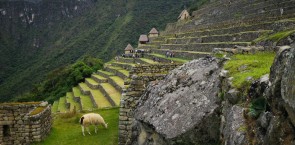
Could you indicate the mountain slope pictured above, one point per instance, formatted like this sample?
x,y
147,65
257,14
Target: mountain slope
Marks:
x,y
39,36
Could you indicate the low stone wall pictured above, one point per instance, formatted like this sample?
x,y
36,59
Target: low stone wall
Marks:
x,y
24,123
141,76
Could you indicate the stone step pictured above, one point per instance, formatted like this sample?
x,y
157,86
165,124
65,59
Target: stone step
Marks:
x,y
147,61
84,88
72,102
118,71
54,107
99,99
247,36
127,66
183,54
117,82
105,74
91,83
85,100
62,105
110,93
98,78
202,47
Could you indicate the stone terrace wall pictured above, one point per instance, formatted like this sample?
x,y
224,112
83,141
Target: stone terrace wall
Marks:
x,y
141,76
18,126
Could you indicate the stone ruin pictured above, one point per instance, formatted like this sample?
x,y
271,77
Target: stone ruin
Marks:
x,y
24,123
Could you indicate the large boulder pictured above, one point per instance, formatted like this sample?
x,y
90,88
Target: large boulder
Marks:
x,y
183,108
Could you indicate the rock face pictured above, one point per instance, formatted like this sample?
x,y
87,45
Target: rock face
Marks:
x,y
183,108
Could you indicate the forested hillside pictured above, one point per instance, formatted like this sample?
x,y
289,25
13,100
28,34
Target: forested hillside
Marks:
x,y
37,37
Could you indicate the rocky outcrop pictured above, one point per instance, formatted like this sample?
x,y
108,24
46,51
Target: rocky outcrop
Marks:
x,y
183,108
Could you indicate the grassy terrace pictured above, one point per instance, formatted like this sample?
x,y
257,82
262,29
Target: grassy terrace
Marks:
x,y
54,107
91,81
123,71
118,80
62,105
99,77
67,131
245,43
192,52
149,61
84,87
70,98
85,100
242,66
100,100
169,58
131,64
114,94
106,72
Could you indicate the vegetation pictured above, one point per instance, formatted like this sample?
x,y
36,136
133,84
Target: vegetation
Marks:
x,y
276,37
61,80
102,31
242,66
67,130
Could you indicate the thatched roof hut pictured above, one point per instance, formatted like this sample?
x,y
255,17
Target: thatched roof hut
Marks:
x,y
154,33
128,49
184,15
143,39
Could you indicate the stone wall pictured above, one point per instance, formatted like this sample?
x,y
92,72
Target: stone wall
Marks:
x,y
24,123
141,76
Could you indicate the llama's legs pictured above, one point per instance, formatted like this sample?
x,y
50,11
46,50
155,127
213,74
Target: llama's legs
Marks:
x,y
88,130
95,129
83,129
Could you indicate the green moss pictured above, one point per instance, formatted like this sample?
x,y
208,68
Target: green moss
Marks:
x,y
37,110
242,66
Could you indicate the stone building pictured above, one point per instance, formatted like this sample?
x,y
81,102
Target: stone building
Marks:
x,y
128,49
184,15
153,33
24,123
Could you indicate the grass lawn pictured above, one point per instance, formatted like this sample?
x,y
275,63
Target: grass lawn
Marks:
x,y
67,131
99,77
106,72
84,87
242,66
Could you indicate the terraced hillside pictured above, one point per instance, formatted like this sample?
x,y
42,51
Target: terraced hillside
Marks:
x,y
104,88
225,24
220,24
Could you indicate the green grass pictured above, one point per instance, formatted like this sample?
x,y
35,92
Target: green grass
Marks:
x,y
62,105
118,80
99,77
84,87
91,81
242,66
67,131
169,58
149,61
70,98
123,71
276,37
131,64
85,100
100,100
106,72
114,94
54,106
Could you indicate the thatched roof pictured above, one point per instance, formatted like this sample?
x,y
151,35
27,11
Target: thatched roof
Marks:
x,y
154,31
143,38
182,13
129,47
